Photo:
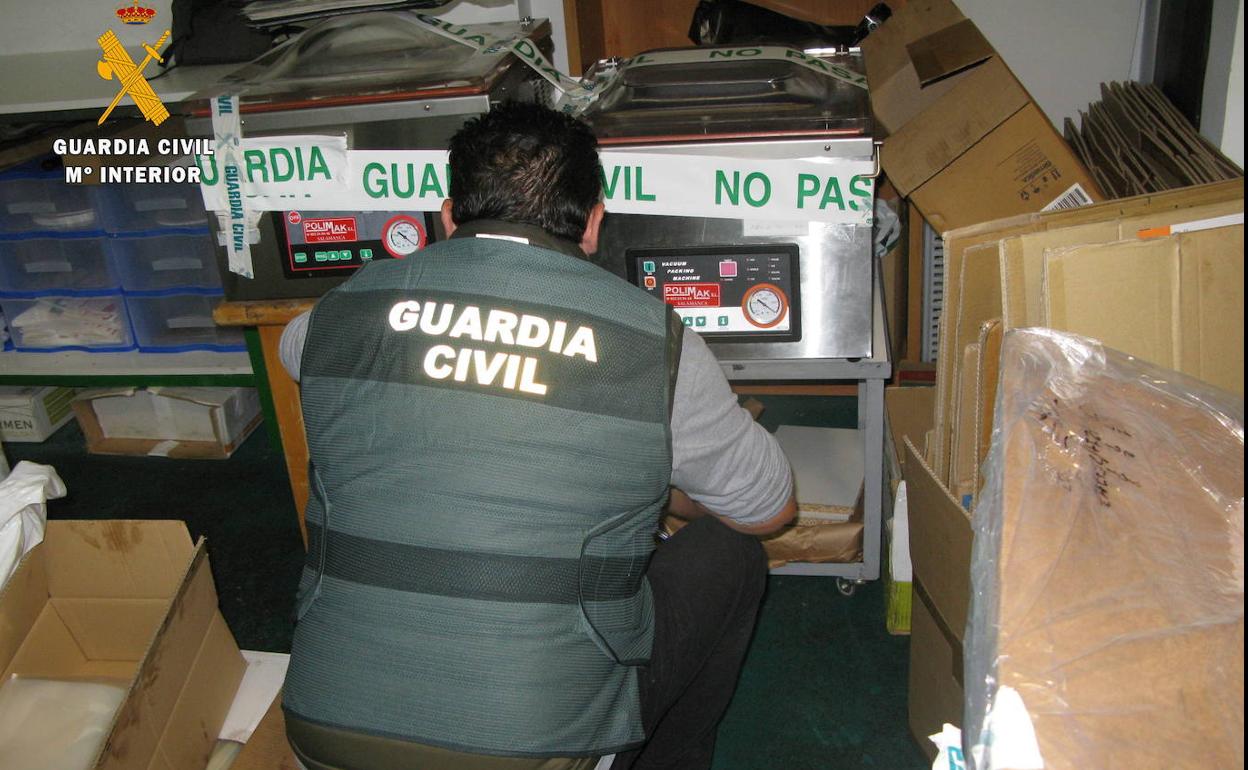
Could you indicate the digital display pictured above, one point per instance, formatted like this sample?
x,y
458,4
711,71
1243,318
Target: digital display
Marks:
x,y
726,292
332,243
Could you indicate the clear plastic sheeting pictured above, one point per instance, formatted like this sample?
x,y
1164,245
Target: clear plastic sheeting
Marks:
x,y
1107,610
50,724
23,511
374,57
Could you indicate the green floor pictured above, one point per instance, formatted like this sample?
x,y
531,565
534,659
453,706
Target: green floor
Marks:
x,y
824,686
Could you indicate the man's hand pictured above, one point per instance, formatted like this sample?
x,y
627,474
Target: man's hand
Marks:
x,y
680,504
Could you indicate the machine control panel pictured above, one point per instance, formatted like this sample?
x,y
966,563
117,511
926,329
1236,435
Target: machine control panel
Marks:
x,y
727,293
337,243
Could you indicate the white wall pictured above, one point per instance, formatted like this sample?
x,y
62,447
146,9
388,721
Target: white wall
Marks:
x,y
1222,106
1061,50
34,26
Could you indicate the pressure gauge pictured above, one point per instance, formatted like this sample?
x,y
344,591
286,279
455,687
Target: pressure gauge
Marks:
x,y
403,235
764,305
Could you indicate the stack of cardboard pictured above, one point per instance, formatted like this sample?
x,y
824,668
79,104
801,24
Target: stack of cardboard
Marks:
x,y
1159,277
1134,141
1107,619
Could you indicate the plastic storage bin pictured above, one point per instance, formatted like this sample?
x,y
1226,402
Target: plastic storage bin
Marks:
x,y
164,262
140,208
174,323
40,201
59,264
60,322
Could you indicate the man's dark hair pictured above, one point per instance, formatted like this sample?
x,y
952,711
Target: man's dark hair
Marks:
x,y
527,164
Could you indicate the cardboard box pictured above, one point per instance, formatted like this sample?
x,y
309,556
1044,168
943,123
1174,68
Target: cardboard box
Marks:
x,y
1108,566
131,602
33,412
940,553
188,423
936,684
966,142
940,549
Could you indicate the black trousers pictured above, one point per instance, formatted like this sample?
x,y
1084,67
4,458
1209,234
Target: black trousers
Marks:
x,y
708,582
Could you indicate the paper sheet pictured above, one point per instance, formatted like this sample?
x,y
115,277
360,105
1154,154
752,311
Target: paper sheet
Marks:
x,y
262,681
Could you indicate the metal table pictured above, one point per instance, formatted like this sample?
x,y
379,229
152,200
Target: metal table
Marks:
x,y
870,374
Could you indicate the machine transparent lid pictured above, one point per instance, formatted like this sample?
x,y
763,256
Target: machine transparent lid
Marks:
x,y
372,57
725,99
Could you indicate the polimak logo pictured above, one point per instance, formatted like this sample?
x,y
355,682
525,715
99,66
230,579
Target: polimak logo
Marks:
x,y
118,65
691,294
329,230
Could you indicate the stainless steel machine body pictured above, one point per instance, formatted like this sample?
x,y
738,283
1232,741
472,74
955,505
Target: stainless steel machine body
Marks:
x,y
749,109
385,82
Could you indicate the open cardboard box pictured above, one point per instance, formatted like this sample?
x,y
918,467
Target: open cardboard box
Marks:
x,y
131,602
966,142
940,551
184,423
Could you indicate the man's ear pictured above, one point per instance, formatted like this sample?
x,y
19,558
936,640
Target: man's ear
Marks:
x,y
448,222
593,223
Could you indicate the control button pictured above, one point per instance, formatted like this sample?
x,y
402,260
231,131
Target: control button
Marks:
x,y
723,320
648,266
366,254
728,268
301,257
701,321
345,255
687,321
321,256
650,282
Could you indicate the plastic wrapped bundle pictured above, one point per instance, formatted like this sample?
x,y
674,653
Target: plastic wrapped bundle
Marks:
x,y
1107,616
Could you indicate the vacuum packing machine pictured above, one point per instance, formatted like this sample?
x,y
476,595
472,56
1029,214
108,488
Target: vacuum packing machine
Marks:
x,y
757,290
386,82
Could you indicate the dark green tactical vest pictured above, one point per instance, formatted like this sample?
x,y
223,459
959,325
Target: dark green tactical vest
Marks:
x,y
488,431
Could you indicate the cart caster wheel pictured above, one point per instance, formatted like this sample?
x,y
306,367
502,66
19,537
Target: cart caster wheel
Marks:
x,y
846,586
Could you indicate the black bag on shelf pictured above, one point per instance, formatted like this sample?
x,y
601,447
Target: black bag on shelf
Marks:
x,y
214,32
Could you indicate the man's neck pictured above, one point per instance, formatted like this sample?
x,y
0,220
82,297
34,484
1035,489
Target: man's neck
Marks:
x,y
531,234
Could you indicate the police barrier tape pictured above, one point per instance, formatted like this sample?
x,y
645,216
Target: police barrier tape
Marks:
x,y
319,173
237,223
248,176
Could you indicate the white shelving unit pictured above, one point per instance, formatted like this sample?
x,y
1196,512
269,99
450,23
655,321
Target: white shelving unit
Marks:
x,y
130,363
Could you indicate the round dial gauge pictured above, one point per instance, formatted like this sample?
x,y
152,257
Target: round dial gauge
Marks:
x,y
403,235
764,305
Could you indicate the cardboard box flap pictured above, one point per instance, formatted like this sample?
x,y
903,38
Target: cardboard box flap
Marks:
x,y
116,558
948,52
979,101
940,542
188,740
21,601
167,661
896,94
